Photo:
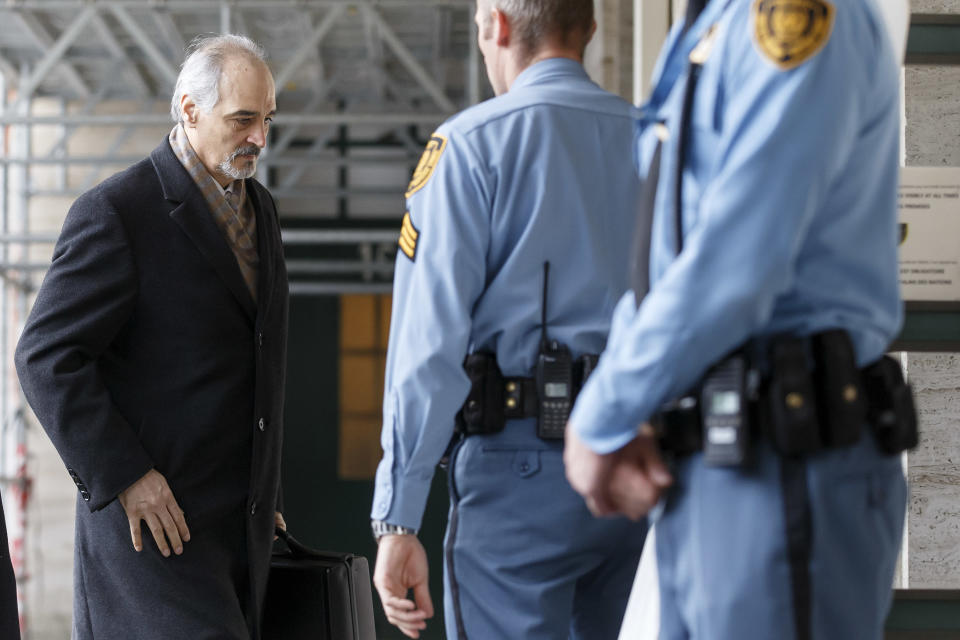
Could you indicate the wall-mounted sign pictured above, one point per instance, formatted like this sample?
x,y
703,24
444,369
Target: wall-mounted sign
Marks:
x,y
930,233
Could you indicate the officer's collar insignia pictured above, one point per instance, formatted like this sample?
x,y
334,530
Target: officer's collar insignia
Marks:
x,y
701,52
428,162
789,32
408,237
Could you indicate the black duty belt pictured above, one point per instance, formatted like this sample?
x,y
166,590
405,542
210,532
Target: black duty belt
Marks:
x,y
812,397
494,398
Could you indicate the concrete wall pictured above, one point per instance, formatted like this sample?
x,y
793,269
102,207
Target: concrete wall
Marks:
x,y
933,538
933,548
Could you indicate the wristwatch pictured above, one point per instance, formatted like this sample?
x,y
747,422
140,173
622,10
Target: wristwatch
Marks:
x,y
381,528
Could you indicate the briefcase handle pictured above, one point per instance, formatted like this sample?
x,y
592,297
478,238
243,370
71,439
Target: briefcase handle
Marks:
x,y
300,550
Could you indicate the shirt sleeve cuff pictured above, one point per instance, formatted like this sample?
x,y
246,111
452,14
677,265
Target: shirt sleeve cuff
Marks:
x,y
399,500
598,423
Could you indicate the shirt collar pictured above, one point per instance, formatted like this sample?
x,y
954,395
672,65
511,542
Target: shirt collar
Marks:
x,y
232,187
549,69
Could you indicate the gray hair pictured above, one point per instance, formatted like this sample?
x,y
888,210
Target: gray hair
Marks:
x,y
536,20
200,73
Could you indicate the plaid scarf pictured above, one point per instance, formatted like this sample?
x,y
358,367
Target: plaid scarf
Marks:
x,y
232,211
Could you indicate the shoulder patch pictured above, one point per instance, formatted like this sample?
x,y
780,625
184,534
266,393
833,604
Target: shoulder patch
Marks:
x,y
790,32
428,162
408,237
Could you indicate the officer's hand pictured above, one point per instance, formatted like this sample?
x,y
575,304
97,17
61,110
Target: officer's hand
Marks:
x,y
401,566
627,481
639,477
279,522
150,499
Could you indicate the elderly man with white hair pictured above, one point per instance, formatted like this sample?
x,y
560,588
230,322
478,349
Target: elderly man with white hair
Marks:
x,y
154,358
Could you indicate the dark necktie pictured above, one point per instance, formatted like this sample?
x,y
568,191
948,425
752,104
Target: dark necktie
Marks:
x,y
694,8
640,257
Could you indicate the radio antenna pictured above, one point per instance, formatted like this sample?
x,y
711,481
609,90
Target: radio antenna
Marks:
x,y
543,309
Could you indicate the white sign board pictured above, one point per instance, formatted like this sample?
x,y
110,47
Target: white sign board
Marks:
x,y
930,233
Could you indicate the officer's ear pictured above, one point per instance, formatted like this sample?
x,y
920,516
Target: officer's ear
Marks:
x,y
501,25
589,35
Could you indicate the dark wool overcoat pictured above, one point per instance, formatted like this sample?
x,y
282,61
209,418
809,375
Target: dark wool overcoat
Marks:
x,y
145,349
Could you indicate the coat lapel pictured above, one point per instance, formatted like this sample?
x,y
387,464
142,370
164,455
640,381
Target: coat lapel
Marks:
x,y
193,216
265,245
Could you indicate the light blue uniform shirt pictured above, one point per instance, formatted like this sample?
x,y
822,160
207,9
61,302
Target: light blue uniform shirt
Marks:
x,y
541,173
789,212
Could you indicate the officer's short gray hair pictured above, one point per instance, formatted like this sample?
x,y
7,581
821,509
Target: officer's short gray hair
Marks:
x,y
536,20
200,73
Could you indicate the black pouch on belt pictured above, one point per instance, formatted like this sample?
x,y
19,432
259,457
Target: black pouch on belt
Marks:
x,y
678,426
841,399
585,365
892,413
791,397
482,411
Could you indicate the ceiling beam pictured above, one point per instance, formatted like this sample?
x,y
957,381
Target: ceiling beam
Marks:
x,y
408,60
225,18
306,119
165,24
117,52
375,56
9,72
53,56
159,61
308,47
44,41
241,23
194,5
59,148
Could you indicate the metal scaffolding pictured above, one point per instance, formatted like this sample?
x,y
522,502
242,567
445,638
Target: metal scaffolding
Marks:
x,y
85,90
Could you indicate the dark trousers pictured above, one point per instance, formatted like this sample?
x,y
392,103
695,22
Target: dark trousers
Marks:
x,y
120,594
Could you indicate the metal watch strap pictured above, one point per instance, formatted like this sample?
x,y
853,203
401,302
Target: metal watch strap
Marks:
x,y
381,528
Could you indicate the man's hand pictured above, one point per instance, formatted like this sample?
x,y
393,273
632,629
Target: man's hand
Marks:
x,y
628,481
279,522
150,499
401,566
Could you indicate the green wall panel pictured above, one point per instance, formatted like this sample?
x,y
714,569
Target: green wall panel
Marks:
x,y
321,509
930,326
934,39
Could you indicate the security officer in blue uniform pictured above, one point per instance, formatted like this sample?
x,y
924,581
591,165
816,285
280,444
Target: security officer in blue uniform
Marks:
x,y
749,388
512,252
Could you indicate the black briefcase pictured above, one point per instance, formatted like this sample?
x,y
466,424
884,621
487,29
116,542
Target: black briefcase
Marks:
x,y
317,595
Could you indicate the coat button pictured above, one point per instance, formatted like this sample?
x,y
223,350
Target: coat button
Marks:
x,y
253,509
260,338
261,424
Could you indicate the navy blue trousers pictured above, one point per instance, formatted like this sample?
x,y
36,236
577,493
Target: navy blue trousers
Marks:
x,y
524,558
724,558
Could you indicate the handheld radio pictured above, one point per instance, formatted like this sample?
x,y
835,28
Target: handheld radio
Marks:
x,y
724,399
554,378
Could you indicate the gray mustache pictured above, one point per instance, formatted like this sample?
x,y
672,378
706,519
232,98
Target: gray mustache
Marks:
x,y
251,150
